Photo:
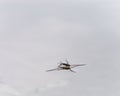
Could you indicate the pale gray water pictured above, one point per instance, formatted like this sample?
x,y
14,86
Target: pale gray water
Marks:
x,y
35,35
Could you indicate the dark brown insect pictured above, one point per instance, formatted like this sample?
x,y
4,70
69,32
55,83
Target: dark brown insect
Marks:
x,y
66,66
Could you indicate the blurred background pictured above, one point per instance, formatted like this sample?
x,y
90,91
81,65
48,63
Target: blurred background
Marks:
x,y
35,35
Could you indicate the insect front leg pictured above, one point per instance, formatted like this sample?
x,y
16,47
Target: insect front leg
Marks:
x,y
72,71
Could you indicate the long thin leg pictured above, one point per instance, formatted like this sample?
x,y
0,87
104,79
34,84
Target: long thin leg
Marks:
x,y
75,65
54,69
72,71
60,64
67,61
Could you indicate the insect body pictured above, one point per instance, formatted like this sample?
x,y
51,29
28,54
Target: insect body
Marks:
x,y
66,66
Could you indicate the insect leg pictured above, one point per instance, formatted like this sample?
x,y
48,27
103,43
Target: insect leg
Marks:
x,y
72,71
67,61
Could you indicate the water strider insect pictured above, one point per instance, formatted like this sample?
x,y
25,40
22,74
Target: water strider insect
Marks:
x,y
66,66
